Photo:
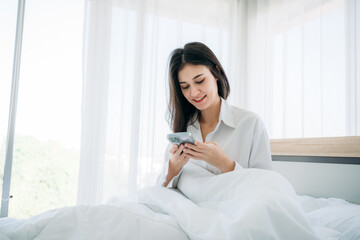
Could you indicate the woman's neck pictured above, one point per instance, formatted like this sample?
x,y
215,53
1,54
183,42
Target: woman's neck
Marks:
x,y
210,116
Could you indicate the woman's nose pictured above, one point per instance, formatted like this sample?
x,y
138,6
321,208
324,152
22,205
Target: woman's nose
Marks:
x,y
194,91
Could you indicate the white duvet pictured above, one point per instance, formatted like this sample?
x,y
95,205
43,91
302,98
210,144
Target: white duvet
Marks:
x,y
247,204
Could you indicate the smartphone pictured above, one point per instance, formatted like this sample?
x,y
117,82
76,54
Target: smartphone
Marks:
x,y
181,138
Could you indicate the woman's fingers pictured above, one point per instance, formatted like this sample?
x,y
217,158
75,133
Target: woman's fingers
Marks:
x,y
192,153
173,149
196,148
201,145
187,151
179,156
179,150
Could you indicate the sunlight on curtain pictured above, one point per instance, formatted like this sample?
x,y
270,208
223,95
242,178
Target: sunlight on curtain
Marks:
x,y
127,44
299,70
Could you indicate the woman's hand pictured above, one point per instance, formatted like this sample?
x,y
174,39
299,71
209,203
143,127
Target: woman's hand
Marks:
x,y
179,158
176,162
210,152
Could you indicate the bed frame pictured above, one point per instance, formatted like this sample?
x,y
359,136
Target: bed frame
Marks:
x,y
320,167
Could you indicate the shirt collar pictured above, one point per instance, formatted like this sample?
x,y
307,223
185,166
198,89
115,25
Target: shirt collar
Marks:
x,y
226,115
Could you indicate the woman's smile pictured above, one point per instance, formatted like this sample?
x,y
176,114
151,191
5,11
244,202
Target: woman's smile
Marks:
x,y
199,100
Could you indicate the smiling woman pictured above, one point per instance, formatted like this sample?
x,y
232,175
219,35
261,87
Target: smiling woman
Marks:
x,y
228,138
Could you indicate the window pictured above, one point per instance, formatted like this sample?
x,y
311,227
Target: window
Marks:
x,y
47,133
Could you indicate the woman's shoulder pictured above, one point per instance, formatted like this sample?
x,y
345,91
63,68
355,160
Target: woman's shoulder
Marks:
x,y
239,117
245,118
240,113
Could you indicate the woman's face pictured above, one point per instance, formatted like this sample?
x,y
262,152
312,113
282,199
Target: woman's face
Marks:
x,y
198,86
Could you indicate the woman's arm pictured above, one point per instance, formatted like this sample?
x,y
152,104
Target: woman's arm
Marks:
x,y
173,171
260,155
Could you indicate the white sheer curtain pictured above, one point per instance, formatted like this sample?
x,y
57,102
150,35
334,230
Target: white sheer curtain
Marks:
x,y
293,62
301,66
127,44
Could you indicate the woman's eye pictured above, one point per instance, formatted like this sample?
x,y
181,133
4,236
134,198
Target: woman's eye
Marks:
x,y
185,87
200,81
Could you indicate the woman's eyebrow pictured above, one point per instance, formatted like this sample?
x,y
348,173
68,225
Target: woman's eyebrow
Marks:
x,y
193,77
197,76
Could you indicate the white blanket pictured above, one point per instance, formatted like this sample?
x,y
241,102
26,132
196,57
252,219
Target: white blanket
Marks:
x,y
249,204
123,220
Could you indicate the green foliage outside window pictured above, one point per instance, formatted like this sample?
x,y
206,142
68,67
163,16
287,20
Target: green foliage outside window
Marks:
x,y
44,176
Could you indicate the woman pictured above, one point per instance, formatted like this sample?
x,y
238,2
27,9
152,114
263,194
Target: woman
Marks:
x,y
228,138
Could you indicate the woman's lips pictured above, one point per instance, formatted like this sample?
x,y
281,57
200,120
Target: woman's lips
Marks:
x,y
200,100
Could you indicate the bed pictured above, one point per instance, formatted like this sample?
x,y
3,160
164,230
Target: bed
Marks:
x,y
312,194
325,173
320,167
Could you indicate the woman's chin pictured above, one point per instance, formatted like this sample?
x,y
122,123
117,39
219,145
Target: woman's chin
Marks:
x,y
200,107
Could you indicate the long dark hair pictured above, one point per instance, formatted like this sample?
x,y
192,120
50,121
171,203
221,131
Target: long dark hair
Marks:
x,y
181,113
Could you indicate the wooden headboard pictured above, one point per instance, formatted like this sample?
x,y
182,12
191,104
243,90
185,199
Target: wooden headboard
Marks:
x,y
320,167
324,147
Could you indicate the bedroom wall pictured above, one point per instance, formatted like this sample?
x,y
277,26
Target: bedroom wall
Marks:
x,y
322,179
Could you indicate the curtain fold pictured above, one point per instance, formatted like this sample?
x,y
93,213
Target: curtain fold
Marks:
x,y
94,112
286,60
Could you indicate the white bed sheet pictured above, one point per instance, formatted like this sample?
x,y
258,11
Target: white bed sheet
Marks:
x,y
254,204
333,213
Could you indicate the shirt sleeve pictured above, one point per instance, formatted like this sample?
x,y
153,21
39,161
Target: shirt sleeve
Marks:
x,y
237,166
260,154
162,177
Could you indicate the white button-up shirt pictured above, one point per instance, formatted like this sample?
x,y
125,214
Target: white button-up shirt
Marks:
x,y
240,133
